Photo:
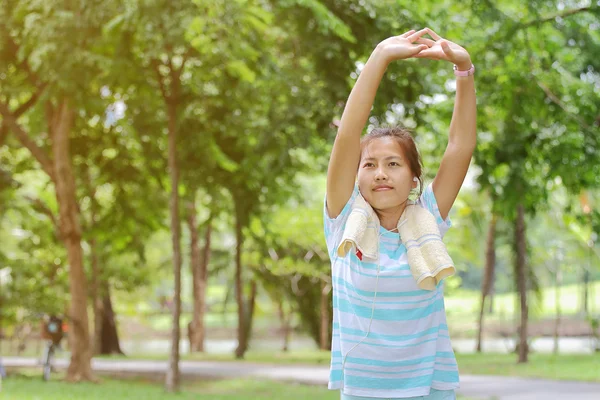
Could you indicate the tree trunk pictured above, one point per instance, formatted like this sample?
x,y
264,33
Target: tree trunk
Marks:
x,y
70,231
586,288
558,282
96,297
488,275
172,377
193,326
203,281
95,282
109,337
491,296
521,266
199,266
239,294
250,315
1,322
285,324
324,343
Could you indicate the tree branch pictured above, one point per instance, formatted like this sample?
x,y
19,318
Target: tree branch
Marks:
x,y
554,98
20,111
175,83
14,48
186,56
184,59
29,103
43,208
159,78
3,133
563,14
517,25
36,151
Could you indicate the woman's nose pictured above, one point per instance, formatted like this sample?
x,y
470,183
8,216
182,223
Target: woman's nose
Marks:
x,y
380,174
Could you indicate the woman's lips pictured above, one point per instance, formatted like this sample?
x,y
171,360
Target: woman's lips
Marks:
x,y
382,188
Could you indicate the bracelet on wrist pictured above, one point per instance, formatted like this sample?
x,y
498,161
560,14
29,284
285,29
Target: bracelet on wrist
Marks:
x,y
469,72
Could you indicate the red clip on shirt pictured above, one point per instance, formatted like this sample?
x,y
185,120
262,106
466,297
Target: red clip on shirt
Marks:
x,y
359,254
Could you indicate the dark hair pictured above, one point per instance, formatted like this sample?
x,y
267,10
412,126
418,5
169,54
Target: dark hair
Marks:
x,y
404,138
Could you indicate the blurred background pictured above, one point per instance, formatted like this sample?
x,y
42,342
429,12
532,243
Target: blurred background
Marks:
x,y
162,177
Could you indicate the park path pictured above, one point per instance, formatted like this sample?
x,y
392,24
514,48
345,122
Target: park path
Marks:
x,y
472,386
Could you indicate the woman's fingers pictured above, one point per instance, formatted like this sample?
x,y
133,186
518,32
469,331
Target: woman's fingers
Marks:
x,y
422,48
433,34
406,34
428,53
447,49
425,41
417,35
418,49
433,54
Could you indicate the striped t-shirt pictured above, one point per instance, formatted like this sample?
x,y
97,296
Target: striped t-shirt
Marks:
x,y
407,351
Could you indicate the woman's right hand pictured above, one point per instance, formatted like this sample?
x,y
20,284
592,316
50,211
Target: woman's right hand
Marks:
x,y
403,46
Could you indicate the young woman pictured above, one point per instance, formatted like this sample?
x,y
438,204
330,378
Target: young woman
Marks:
x,y
390,338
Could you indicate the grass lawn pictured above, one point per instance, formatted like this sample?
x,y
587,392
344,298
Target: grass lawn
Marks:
x,y
32,388
575,367
564,367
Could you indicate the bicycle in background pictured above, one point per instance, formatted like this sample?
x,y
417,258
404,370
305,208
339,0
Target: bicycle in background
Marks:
x,y
53,332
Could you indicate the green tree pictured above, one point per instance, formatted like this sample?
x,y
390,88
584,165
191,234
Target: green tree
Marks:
x,y
528,143
50,62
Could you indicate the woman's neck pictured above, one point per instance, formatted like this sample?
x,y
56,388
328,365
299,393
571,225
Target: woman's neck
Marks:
x,y
389,218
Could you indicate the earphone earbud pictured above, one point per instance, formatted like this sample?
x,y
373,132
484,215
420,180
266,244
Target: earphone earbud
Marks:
x,y
415,179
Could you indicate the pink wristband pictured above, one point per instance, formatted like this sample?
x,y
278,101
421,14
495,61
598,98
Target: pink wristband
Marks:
x,y
469,72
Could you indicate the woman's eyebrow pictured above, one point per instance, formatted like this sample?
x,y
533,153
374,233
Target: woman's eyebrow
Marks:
x,y
385,158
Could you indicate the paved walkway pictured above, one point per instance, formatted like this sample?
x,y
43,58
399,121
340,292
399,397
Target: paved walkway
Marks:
x,y
474,387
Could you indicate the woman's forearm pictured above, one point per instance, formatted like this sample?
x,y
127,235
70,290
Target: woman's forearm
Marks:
x,y
362,96
463,127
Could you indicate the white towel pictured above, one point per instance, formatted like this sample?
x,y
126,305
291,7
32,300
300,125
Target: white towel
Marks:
x,y
428,258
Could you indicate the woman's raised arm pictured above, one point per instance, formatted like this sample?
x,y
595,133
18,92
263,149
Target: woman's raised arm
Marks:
x,y
345,155
463,127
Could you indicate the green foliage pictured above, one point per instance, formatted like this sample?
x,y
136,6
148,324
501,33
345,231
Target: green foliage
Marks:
x,y
325,19
537,58
34,274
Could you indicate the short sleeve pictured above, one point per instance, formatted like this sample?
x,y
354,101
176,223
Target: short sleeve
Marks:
x,y
429,202
334,227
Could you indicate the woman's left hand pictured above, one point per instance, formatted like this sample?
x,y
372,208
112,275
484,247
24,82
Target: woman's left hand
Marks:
x,y
443,49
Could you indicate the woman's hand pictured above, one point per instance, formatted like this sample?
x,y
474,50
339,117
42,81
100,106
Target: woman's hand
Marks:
x,y
443,49
403,46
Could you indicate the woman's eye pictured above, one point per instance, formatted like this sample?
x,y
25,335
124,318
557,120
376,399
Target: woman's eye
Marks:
x,y
394,164
369,164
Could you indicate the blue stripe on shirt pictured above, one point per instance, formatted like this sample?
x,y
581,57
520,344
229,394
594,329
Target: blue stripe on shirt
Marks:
x,y
368,293
392,338
389,314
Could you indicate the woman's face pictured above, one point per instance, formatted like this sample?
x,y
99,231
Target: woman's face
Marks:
x,y
384,176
